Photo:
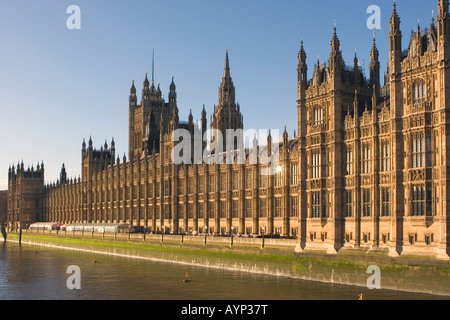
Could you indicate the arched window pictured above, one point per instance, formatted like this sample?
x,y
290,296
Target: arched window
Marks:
x,y
419,91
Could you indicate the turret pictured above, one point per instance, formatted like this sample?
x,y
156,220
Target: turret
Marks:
x,y
336,61
63,175
226,91
90,145
172,93
443,19
83,148
133,97
302,73
146,88
113,148
395,42
443,29
375,68
285,139
204,127
395,68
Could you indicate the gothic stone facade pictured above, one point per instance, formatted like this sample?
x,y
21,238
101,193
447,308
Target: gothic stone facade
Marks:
x,y
367,169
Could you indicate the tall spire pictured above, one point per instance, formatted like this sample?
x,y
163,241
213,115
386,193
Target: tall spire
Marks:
x,y
172,92
395,35
335,43
336,61
146,82
302,72
374,67
226,73
395,19
227,90
374,52
302,53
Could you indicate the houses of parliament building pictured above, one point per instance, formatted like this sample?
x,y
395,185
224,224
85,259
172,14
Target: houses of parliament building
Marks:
x,y
366,168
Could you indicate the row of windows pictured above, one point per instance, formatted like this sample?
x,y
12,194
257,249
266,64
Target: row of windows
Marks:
x,y
248,209
420,154
421,202
419,91
278,181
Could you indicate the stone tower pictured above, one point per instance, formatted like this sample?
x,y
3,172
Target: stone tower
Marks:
x,y
25,189
227,115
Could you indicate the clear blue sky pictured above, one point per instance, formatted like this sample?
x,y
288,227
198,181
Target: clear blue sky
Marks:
x,y
58,86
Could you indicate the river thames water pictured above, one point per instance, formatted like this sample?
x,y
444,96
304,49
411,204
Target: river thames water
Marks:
x,y
31,272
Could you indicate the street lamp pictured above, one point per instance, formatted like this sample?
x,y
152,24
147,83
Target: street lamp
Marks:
x,y
162,234
262,244
232,229
182,234
206,232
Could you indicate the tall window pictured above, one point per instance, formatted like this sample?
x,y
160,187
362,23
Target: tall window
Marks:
x,y
317,115
211,210
190,210
349,160
235,181
235,208
248,179
316,162
316,205
366,203
366,158
294,173
418,150
181,211
201,184
180,187
385,202
262,181
419,91
166,187
191,185
223,183
248,208
418,200
385,156
278,177
223,209
294,206
262,207
212,183
167,212
349,204
277,207
201,210
158,188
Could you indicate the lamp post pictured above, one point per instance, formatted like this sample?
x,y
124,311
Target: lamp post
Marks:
x,y
232,229
262,244
206,232
182,234
162,234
